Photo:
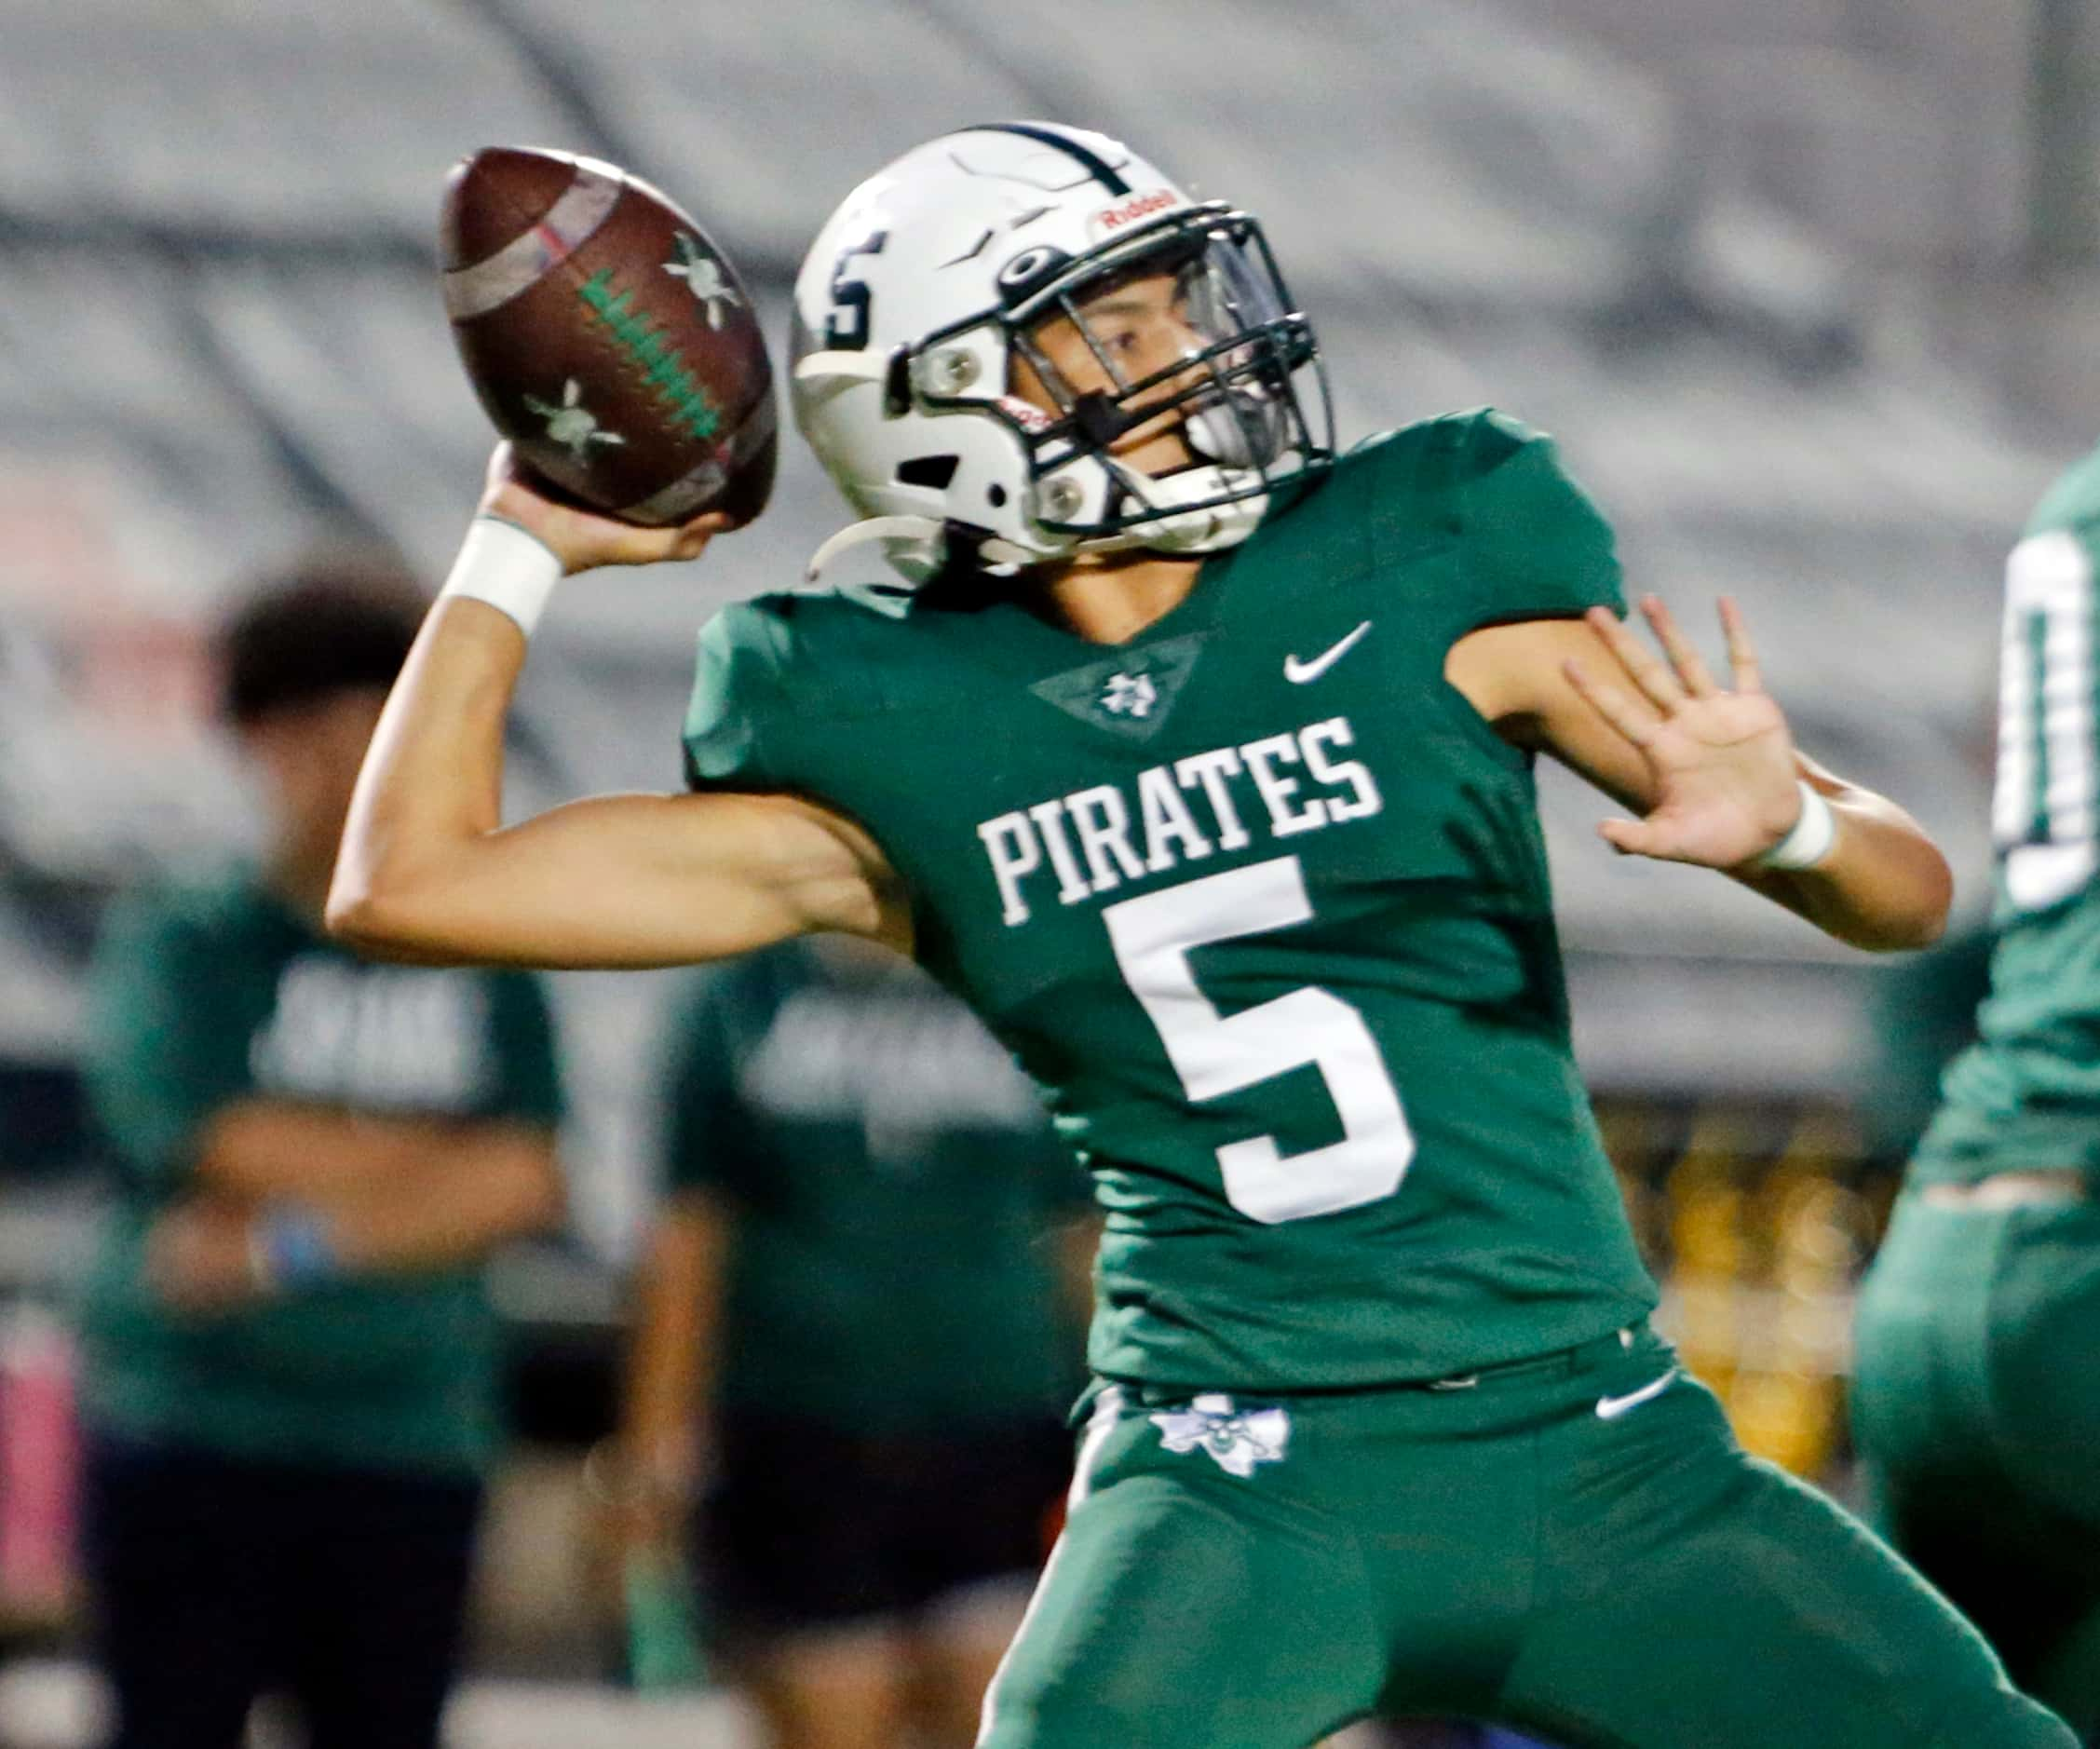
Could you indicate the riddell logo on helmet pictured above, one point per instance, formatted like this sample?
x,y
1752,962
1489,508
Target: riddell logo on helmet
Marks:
x,y
1137,207
1026,414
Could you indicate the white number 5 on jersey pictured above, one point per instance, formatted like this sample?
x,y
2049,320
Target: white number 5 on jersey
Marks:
x,y
1217,1054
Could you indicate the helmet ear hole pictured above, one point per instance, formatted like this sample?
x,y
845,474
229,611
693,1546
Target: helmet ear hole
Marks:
x,y
932,472
897,384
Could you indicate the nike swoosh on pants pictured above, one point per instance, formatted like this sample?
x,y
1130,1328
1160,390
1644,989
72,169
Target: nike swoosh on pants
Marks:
x,y
1612,1408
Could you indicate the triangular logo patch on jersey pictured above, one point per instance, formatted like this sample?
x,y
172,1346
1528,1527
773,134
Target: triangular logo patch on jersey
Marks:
x,y
1131,693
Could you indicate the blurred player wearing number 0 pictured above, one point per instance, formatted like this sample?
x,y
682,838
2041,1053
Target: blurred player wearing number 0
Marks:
x,y
1975,1400
1198,760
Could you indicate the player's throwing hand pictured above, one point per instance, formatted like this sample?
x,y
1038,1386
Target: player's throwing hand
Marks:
x,y
579,536
1722,759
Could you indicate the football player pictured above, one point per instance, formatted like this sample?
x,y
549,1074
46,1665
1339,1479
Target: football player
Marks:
x,y
1198,760
855,1321
1974,1401
292,1380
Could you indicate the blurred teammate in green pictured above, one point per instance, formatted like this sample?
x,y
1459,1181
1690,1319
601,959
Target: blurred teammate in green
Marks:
x,y
290,1365
860,1321
1977,1402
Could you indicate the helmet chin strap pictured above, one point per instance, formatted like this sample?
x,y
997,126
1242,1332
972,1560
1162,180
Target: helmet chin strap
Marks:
x,y
1174,530
1240,428
916,547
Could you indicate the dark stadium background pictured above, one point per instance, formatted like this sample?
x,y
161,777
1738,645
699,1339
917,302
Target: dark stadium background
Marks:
x,y
1806,289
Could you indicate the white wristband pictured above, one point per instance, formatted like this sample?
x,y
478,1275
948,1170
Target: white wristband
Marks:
x,y
1812,835
512,571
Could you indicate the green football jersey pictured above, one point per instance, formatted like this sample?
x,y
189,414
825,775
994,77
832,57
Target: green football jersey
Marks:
x,y
2027,1093
1260,902
205,995
895,1189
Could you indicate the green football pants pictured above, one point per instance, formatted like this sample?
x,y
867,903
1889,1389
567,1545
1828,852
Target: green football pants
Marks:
x,y
1977,1406
1574,1546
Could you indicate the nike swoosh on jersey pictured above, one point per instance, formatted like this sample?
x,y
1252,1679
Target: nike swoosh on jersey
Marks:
x,y
1612,1408
1298,673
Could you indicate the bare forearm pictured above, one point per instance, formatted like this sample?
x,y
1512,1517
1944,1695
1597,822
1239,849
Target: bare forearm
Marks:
x,y
256,1149
432,781
437,756
428,871
1711,770
391,1208
493,1185
672,1354
1884,885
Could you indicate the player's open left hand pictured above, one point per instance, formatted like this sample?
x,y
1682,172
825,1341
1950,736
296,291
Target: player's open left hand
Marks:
x,y
580,538
1720,761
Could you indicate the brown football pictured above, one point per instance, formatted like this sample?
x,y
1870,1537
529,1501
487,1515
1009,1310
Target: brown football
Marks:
x,y
607,337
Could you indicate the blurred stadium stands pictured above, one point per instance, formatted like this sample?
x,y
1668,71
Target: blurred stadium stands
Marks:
x,y
1703,248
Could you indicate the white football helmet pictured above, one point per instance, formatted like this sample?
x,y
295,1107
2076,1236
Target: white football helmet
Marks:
x,y
926,285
